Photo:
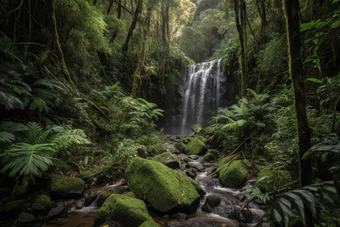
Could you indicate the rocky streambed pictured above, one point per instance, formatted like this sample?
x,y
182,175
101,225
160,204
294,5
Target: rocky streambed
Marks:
x,y
175,189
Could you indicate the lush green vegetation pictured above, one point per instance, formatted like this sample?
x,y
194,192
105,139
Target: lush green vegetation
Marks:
x,y
83,82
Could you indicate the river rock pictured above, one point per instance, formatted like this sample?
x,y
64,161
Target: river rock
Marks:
x,y
187,140
211,156
80,203
168,159
265,180
180,217
25,218
190,174
180,146
210,202
56,212
196,147
62,187
42,204
165,189
149,224
91,197
20,192
12,209
194,157
119,190
126,210
234,174
197,165
170,147
196,128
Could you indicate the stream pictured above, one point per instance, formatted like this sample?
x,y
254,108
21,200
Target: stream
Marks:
x,y
232,200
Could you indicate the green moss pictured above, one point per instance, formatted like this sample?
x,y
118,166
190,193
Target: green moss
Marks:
x,y
106,194
20,192
233,175
246,163
91,172
12,209
196,146
156,149
227,159
187,140
167,159
131,194
211,156
126,210
180,146
265,184
149,224
62,187
204,140
196,128
161,186
42,204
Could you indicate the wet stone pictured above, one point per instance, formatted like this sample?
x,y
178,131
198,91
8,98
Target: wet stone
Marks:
x,y
56,212
241,197
180,217
90,198
259,201
80,204
197,165
25,217
194,157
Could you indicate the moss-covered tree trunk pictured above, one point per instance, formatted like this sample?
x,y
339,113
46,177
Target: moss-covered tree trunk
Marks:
x,y
137,76
291,8
239,13
54,45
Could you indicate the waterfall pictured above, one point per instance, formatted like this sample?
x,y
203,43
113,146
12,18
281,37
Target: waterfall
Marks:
x,y
201,94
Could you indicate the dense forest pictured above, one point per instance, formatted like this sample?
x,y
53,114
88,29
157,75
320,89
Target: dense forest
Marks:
x,y
86,87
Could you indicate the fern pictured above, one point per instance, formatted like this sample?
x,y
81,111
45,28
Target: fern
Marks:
x,y
35,154
7,130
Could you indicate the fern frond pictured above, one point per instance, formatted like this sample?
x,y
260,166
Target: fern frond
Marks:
x,y
10,100
6,137
255,96
38,103
148,104
12,127
24,158
34,132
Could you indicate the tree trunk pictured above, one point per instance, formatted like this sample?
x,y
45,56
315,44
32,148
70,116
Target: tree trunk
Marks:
x,y
291,8
54,45
240,30
137,77
133,25
115,33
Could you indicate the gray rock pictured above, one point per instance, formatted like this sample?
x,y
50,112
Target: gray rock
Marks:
x,y
193,157
80,204
180,217
190,174
196,128
197,165
56,212
25,217
210,202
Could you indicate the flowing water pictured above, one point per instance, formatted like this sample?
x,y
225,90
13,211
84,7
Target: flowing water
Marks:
x,y
222,215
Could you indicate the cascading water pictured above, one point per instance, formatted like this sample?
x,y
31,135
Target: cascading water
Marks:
x,y
203,90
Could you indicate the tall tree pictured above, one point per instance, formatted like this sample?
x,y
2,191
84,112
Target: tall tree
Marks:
x,y
291,8
137,76
240,17
138,11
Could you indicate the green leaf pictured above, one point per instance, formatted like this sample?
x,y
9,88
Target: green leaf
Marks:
x,y
334,1
315,80
6,137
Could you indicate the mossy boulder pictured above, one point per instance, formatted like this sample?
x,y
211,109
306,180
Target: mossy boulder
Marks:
x,y
106,194
90,173
20,192
14,208
149,224
167,159
204,140
131,194
234,174
62,187
165,189
265,180
156,149
210,202
197,128
196,146
228,158
211,156
42,204
180,146
126,210
187,140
